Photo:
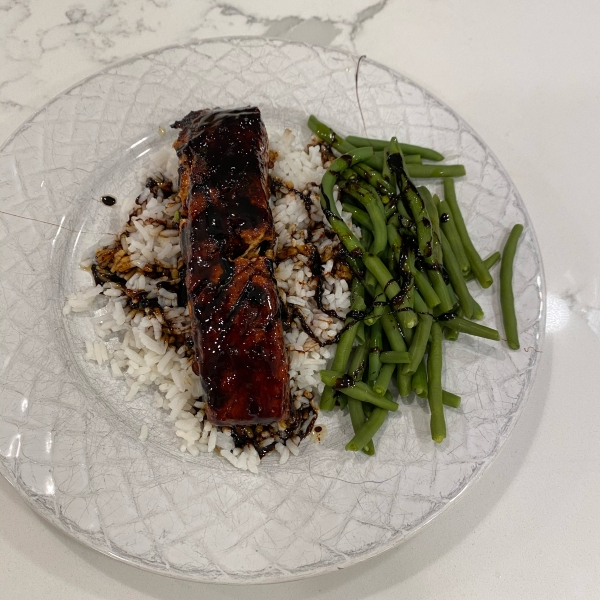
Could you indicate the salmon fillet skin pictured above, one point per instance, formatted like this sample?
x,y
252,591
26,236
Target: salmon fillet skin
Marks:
x,y
227,239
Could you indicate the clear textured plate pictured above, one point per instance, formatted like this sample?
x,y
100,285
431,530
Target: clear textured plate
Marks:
x,y
69,444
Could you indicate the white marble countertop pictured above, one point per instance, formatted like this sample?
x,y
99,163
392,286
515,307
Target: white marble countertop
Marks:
x,y
525,76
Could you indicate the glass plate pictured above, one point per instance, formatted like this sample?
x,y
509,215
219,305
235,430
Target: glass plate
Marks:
x,y
68,442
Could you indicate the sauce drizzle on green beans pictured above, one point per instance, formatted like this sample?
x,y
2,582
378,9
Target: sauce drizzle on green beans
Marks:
x,y
411,266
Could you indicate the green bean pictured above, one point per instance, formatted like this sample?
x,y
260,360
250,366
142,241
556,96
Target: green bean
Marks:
x,y
357,291
439,285
340,144
377,145
489,262
452,294
394,220
358,215
396,341
348,239
365,434
361,335
379,160
337,168
450,399
456,278
470,328
375,348
390,210
388,283
426,153
419,380
395,241
449,229
349,174
393,335
477,310
358,390
430,207
411,196
435,171
374,178
459,312
344,347
450,334
383,380
402,213
434,385
425,288
358,363
419,344
477,266
408,333
371,202
403,382
366,238
361,391
357,417
404,311
388,257
394,357
507,298
385,168
381,274
377,196
437,253
329,136
370,282
379,305
374,162
420,305
425,235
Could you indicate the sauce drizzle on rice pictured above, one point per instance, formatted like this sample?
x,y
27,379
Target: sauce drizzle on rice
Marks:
x,y
144,333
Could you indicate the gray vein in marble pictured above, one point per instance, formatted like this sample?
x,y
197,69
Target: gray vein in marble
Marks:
x,y
366,15
561,307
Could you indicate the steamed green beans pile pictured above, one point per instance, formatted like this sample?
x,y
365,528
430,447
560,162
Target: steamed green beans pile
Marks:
x,y
411,266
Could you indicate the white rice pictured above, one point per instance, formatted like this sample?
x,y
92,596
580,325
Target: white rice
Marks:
x,y
146,361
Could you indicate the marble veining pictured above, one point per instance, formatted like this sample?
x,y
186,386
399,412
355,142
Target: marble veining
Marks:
x,y
37,53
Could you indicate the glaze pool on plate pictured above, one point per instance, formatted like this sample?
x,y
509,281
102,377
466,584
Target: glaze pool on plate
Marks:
x,y
72,450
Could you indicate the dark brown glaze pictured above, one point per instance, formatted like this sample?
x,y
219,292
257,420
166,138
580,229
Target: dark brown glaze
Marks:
x,y
224,180
227,238
239,344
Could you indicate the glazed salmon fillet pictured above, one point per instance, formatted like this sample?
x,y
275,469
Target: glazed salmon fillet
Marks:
x,y
227,239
